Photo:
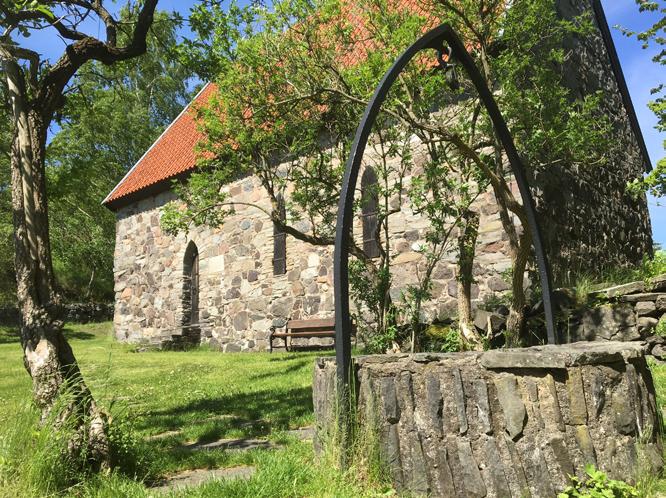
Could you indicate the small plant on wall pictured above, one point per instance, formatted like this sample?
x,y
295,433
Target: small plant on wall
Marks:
x,y
598,485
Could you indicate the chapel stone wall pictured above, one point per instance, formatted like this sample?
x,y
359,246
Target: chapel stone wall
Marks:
x,y
240,298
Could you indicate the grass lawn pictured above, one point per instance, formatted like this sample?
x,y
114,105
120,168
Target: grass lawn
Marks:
x,y
197,396
205,396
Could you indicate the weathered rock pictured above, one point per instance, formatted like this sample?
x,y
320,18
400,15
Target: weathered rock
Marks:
x,y
634,298
647,324
471,477
660,303
608,321
196,477
482,318
242,444
658,283
515,414
645,308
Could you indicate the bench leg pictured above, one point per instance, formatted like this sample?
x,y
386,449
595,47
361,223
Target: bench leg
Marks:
x,y
270,340
286,347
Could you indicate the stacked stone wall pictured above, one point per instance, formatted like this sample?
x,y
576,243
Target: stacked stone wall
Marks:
x,y
502,423
626,312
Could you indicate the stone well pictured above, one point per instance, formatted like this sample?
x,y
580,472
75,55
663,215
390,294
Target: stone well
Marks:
x,y
505,422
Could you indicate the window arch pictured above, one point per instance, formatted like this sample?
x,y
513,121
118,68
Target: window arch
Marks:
x,y
191,285
280,241
369,208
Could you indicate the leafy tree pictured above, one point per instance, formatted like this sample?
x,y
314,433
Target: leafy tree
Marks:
x,y
35,93
292,87
7,285
655,181
112,119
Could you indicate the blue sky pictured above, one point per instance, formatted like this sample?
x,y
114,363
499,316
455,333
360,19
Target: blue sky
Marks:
x,y
640,72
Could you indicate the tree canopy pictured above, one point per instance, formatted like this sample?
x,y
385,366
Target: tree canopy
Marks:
x,y
294,80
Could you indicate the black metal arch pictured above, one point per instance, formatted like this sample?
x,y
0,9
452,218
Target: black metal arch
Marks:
x,y
445,41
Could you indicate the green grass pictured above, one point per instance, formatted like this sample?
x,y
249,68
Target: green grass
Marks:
x,y
659,377
203,394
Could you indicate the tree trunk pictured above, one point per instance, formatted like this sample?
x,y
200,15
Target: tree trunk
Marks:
x,y
516,325
466,250
48,357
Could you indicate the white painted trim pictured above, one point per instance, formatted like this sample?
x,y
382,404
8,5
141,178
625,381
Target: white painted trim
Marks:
x,y
106,199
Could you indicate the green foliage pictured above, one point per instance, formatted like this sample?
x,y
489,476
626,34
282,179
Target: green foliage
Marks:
x,y
598,485
654,182
442,338
289,99
130,455
105,126
35,458
660,329
587,283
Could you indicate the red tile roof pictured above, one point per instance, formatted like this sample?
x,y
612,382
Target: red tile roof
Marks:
x,y
174,152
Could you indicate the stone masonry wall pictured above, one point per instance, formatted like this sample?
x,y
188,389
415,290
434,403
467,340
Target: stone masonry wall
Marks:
x,y
590,221
502,423
239,296
626,312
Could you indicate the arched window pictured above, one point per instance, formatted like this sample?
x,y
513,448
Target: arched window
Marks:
x,y
191,285
369,207
280,242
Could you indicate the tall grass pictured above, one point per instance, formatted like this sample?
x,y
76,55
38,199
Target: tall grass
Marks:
x,y
34,457
585,283
48,458
353,438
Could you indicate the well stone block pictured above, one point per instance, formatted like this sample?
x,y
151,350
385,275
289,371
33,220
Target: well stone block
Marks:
x,y
502,423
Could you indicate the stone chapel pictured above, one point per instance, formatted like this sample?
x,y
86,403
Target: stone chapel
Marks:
x,y
228,286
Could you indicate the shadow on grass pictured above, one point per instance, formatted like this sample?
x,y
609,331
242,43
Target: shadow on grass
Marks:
x,y
294,366
9,335
77,334
254,413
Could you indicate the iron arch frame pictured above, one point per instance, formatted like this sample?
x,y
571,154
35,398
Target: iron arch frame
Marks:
x,y
446,42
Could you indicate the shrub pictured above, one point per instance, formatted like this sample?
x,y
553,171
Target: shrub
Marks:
x,y
598,485
442,338
130,454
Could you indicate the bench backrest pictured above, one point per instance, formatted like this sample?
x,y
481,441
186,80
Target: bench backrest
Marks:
x,y
313,325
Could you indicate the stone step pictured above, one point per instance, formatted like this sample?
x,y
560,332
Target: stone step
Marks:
x,y
240,444
303,433
196,477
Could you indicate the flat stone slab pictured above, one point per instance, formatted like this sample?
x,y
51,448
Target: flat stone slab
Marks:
x,y
163,435
548,356
621,290
241,444
644,296
303,433
196,477
563,356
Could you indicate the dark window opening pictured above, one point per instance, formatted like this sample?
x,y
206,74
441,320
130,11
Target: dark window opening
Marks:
x,y
280,242
369,209
191,285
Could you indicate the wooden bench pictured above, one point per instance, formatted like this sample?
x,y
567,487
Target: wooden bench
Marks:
x,y
315,327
